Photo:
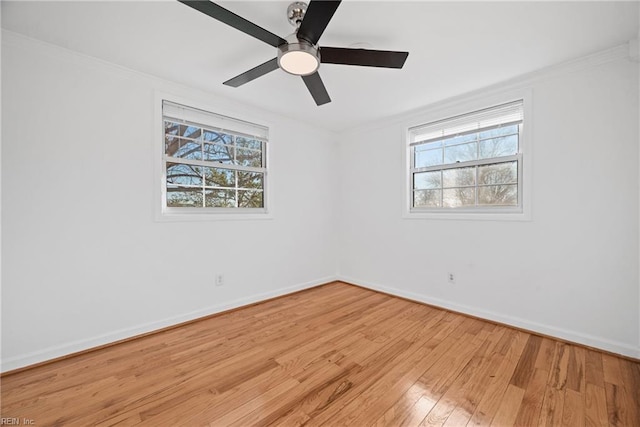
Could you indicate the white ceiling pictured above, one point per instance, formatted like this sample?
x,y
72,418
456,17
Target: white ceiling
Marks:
x,y
454,47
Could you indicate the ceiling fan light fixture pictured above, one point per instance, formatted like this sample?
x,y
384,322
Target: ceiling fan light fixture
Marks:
x,y
299,59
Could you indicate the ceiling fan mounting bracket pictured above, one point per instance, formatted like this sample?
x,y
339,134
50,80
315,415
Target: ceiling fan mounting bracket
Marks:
x,y
295,13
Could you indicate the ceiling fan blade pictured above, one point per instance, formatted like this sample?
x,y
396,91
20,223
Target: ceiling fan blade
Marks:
x,y
317,89
316,19
362,57
225,16
253,73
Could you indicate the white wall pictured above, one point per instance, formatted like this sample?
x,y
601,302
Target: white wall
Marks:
x,y
84,261
572,271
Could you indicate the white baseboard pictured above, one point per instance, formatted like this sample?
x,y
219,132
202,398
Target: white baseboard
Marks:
x,y
564,334
69,348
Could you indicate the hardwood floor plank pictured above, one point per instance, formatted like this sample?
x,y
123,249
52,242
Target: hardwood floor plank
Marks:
x,y
334,355
575,369
531,405
418,411
291,419
559,367
545,354
611,370
552,407
526,363
508,410
595,402
459,417
594,373
621,413
631,379
573,409
394,415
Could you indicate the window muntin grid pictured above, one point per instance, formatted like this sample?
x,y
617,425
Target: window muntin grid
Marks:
x,y
469,162
209,167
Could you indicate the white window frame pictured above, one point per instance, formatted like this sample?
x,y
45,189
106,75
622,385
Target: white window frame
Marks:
x,y
444,111
164,213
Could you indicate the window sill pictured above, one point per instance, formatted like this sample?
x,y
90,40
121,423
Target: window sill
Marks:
x,y
212,215
469,215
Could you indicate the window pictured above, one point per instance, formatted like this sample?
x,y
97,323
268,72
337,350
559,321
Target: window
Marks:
x,y
212,163
468,163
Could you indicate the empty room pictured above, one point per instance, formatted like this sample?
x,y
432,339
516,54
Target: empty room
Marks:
x,y
365,213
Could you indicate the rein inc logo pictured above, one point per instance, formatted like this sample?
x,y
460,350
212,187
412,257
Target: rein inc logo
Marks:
x,y
15,421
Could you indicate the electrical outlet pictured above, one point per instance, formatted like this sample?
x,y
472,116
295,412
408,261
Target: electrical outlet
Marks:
x,y
219,280
451,278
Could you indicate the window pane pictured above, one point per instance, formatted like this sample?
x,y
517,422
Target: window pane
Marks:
x,y
250,180
250,199
498,173
219,153
217,137
220,198
183,174
171,128
426,158
189,131
429,145
427,198
461,153
459,177
248,143
499,131
496,147
424,180
218,177
247,157
457,197
183,148
184,197
498,195
180,129
171,144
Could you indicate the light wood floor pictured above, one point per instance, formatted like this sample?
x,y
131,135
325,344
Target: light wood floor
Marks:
x,y
334,355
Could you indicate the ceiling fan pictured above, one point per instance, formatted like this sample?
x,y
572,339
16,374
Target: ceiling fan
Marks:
x,y
299,53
